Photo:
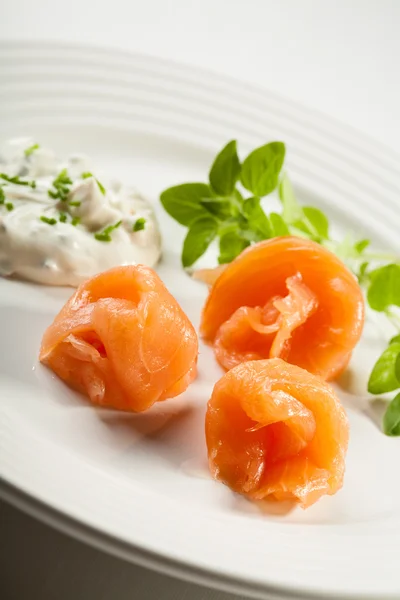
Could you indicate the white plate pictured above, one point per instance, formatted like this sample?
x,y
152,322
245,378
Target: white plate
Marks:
x,y
138,485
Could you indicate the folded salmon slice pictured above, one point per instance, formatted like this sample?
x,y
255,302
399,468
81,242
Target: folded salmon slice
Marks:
x,y
275,430
288,298
123,340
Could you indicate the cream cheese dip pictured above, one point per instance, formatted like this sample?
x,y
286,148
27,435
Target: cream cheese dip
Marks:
x,y
59,224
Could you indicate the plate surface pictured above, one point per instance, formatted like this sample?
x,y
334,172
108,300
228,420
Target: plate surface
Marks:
x,y
138,485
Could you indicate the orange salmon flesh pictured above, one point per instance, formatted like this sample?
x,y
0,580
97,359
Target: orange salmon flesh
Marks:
x,y
275,430
123,340
286,298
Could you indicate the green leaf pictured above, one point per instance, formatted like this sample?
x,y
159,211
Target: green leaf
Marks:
x,y
231,244
383,377
260,170
183,202
200,235
217,206
395,339
301,229
384,289
256,217
361,246
292,210
317,221
278,225
391,418
225,170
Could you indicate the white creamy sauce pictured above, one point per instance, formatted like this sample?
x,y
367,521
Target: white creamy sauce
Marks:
x,y
67,252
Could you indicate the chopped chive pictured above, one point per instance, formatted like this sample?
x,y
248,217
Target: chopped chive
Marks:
x,y
61,184
62,218
2,196
87,174
74,203
49,221
31,149
101,187
9,206
17,181
75,221
104,236
139,224
112,227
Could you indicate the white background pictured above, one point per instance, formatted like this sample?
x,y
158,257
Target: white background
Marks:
x,y
340,57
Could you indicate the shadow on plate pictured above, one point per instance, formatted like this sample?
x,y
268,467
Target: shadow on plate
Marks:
x,y
170,431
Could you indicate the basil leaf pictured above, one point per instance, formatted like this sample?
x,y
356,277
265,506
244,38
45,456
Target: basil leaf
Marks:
x,y
200,235
256,217
317,221
383,377
231,244
391,418
278,225
384,289
395,339
183,202
260,170
292,210
225,170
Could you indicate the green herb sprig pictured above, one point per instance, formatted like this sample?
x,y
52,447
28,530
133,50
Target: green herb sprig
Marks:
x,y
219,210
383,295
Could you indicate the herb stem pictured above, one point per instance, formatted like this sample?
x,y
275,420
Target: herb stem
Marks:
x,y
393,318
